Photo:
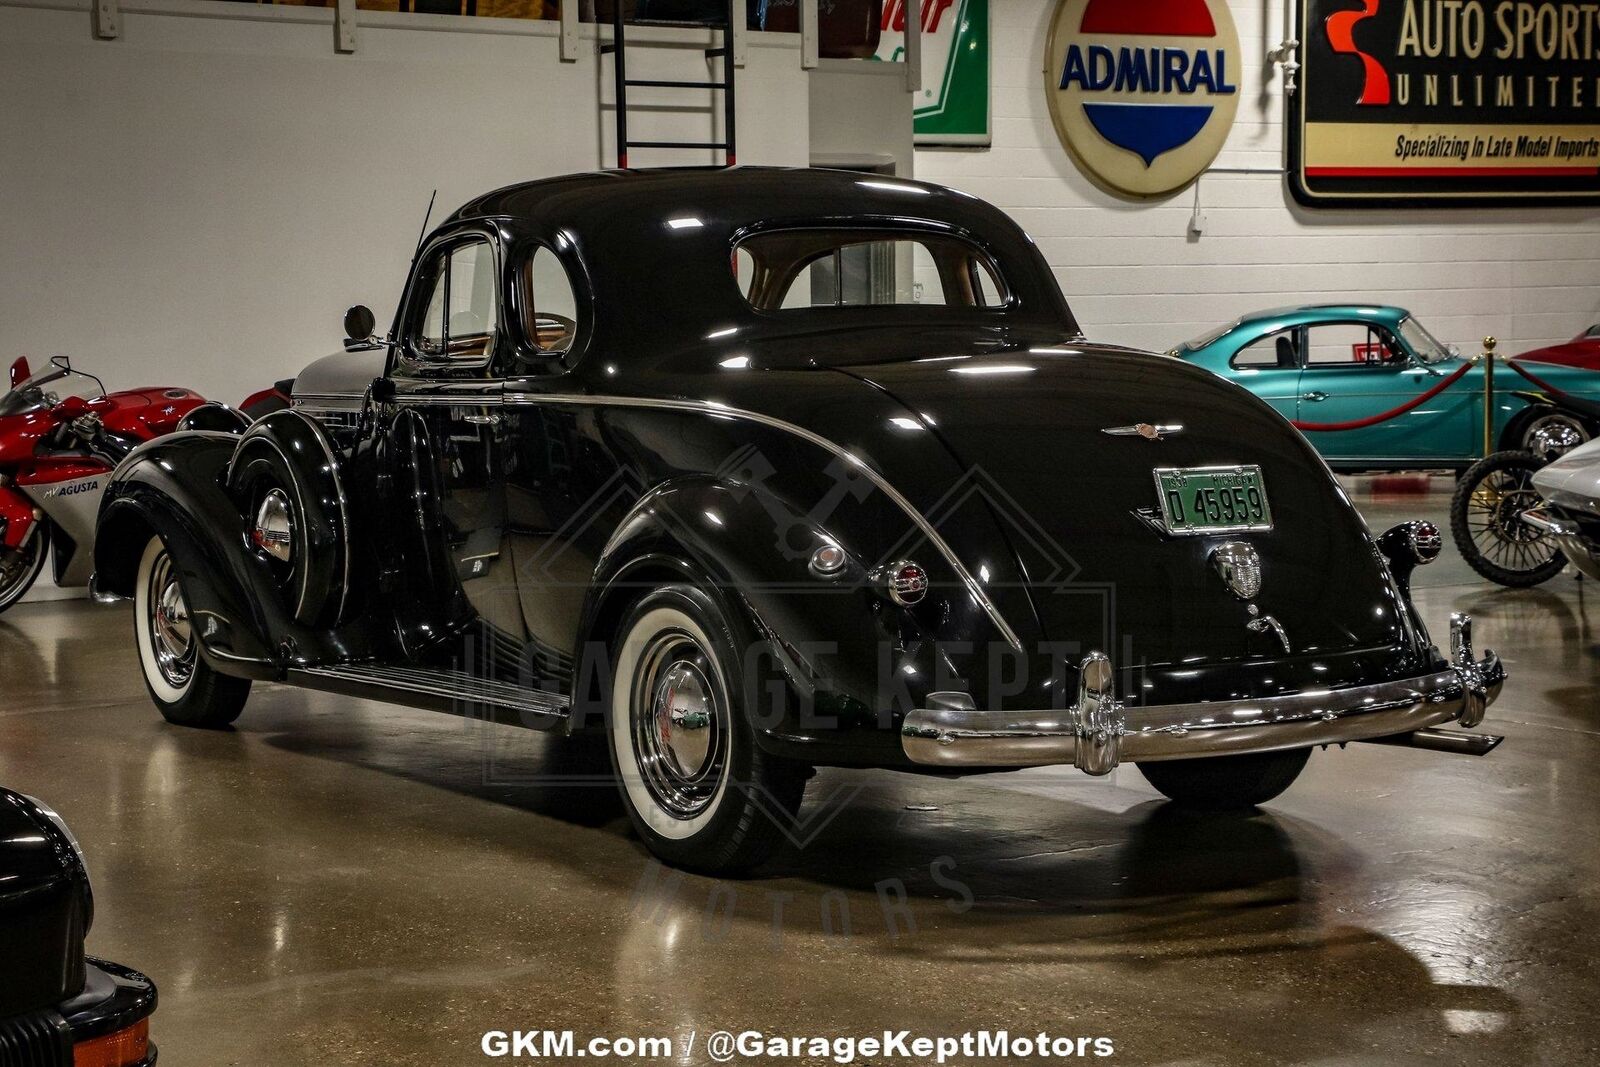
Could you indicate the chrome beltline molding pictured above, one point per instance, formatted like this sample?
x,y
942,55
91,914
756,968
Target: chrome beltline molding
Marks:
x,y
706,407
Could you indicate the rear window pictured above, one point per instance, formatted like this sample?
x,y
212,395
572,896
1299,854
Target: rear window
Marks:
x,y
856,268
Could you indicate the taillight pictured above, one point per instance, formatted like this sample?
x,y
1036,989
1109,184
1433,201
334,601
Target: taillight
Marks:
x,y
124,1048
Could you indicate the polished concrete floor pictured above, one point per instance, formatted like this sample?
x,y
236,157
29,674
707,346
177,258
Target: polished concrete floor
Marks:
x,y
341,882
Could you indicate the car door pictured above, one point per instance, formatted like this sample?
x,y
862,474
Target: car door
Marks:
x,y
1358,370
448,379
1269,367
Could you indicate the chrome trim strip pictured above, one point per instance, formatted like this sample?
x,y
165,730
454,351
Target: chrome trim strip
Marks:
x,y
329,401
469,688
705,407
949,735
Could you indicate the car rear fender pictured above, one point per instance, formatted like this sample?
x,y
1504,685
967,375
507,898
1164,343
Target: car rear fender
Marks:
x,y
751,554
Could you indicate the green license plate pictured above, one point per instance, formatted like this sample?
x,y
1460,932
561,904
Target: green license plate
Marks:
x,y
1199,500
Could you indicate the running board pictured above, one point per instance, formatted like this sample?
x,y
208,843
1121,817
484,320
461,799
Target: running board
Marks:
x,y
440,689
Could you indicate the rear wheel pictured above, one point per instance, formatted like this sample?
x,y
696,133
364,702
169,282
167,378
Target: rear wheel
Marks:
x,y
1222,783
20,568
1486,522
698,789
186,690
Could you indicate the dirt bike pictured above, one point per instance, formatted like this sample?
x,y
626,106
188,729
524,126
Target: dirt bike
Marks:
x,y
61,436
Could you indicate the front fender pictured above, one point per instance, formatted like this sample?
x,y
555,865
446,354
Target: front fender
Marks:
x,y
175,488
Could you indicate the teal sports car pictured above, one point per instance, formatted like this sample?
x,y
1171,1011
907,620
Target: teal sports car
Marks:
x,y
1344,365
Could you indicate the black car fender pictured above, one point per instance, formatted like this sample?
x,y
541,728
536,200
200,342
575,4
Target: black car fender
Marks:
x,y
174,488
811,643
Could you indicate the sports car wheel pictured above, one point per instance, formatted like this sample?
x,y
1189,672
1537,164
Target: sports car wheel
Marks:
x,y
19,569
1224,783
186,690
1486,522
1553,435
697,788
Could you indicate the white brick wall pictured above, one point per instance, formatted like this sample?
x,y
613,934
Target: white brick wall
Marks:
x,y
1132,274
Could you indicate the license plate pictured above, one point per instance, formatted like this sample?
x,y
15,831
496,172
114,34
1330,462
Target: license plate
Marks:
x,y
1199,500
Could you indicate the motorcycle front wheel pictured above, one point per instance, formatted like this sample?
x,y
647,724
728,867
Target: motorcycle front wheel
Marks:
x,y
20,568
1486,522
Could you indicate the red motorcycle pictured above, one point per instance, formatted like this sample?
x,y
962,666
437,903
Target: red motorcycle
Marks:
x,y
61,435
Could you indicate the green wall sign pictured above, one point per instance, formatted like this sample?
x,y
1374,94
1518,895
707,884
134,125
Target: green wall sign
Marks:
x,y
953,105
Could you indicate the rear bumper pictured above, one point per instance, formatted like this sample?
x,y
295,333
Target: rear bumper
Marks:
x,y
1097,733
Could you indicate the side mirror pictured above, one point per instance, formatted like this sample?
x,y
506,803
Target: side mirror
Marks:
x,y
1454,350
359,323
20,372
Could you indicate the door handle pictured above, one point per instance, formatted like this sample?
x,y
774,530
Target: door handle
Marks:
x,y
1315,396
484,420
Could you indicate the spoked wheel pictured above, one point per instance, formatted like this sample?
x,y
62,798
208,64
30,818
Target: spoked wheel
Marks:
x,y
1486,522
19,569
698,789
186,689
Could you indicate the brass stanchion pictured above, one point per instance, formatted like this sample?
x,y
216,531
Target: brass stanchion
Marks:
x,y
1488,395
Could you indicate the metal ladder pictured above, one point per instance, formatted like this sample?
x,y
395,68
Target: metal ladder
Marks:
x,y
619,48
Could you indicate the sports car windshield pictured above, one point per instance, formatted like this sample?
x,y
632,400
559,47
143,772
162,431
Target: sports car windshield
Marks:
x,y
48,388
1422,342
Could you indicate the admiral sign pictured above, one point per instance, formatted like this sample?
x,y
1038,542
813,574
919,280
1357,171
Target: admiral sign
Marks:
x,y
1447,102
1143,92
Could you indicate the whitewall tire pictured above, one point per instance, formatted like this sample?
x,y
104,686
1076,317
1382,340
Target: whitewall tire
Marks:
x,y
185,689
697,787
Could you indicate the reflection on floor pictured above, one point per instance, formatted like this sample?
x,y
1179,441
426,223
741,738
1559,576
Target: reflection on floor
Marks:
x,y
340,882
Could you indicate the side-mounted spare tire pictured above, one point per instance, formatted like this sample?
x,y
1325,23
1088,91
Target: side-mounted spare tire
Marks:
x,y
285,477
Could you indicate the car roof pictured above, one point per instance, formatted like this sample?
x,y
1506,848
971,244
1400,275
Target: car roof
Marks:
x,y
655,246
1307,313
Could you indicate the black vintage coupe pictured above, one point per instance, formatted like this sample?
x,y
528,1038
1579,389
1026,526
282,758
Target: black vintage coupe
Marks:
x,y
751,471
58,1007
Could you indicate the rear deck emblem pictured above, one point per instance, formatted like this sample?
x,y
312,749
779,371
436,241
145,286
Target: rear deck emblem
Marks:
x,y
1146,430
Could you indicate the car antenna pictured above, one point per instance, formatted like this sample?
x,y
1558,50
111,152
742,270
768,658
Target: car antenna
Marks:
x,y
394,329
426,215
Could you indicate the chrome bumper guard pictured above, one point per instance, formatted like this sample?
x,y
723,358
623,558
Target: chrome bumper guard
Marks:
x,y
1097,733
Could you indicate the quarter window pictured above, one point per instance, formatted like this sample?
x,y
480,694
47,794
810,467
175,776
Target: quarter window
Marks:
x,y
1275,351
551,306
461,316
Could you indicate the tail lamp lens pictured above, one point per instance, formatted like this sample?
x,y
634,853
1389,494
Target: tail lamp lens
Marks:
x,y
124,1048
908,584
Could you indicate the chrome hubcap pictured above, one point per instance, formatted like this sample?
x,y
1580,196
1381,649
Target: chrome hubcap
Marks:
x,y
274,530
171,635
679,724
1553,436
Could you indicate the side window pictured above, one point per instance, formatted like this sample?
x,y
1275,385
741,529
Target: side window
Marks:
x,y
460,319
552,306
1351,344
1275,351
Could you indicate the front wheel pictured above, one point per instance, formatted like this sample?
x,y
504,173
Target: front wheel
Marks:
x,y
186,690
20,567
1486,522
1224,783
698,789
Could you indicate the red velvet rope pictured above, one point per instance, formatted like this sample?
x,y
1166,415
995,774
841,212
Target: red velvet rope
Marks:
x,y
1546,386
1357,424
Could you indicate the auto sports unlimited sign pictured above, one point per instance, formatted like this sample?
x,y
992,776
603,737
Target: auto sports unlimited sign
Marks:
x,y
953,106
1447,102
1143,92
